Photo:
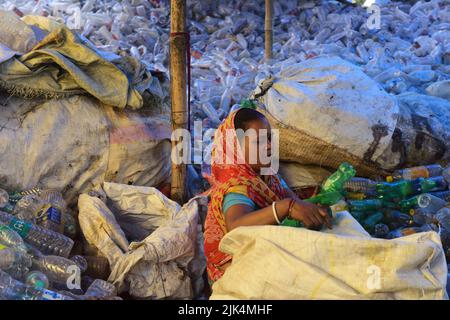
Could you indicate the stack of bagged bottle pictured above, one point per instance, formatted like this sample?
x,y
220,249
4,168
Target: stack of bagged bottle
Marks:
x,y
411,200
36,232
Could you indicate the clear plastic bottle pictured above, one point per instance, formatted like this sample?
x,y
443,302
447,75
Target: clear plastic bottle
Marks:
x,y
416,172
45,240
101,288
57,269
37,279
446,174
28,207
12,289
408,231
444,195
361,185
81,262
443,217
12,260
10,238
427,202
422,216
4,198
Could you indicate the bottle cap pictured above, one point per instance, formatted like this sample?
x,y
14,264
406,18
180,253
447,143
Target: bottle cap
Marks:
x,y
389,179
412,211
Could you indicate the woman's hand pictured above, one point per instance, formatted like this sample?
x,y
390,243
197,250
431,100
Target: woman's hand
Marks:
x,y
312,216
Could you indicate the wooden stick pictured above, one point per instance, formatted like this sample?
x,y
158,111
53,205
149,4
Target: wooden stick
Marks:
x,y
268,30
178,43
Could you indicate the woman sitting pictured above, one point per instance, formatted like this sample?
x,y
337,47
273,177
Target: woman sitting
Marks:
x,y
240,194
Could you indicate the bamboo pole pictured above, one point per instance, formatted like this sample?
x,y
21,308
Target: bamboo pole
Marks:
x,y
178,46
268,30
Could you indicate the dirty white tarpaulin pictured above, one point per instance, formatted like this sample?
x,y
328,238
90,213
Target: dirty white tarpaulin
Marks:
x,y
333,101
149,240
315,265
82,144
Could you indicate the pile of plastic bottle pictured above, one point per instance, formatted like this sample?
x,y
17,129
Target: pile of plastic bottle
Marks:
x,y
407,52
36,231
412,200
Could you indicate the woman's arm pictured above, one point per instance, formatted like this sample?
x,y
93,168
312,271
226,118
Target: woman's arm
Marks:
x,y
311,215
243,215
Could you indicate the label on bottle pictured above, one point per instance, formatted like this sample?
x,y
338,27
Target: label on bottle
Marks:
x,y
51,295
49,213
21,227
417,172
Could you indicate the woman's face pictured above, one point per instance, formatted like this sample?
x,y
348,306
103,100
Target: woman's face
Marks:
x,y
256,144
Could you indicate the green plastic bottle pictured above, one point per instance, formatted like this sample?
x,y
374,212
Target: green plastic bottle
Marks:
x,y
326,198
336,181
404,188
365,205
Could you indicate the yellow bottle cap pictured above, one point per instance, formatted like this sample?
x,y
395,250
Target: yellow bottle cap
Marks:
x,y
389,179
412,211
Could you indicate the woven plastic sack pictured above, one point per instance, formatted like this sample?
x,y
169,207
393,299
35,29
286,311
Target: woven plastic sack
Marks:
x,y
274,262
328,112
151,242
75,143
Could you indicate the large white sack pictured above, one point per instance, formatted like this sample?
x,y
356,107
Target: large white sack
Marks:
x,y
74,143
273,262
298,175
336,102
422,134
148,239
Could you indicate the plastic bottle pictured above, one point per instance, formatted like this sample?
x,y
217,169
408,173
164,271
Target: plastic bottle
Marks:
x,y
403,188
46,241
446,174
325,198
98,267
53,215
14,260
37,280
101,288
28,207
422,216
396,219
336,181
359,215
4,198
408,231
57,269
81,262
10,238
365,205
416,172
17,195
444,195
355,196
361,185
13,289
443,217
298,224
372,220
425,201
380,230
